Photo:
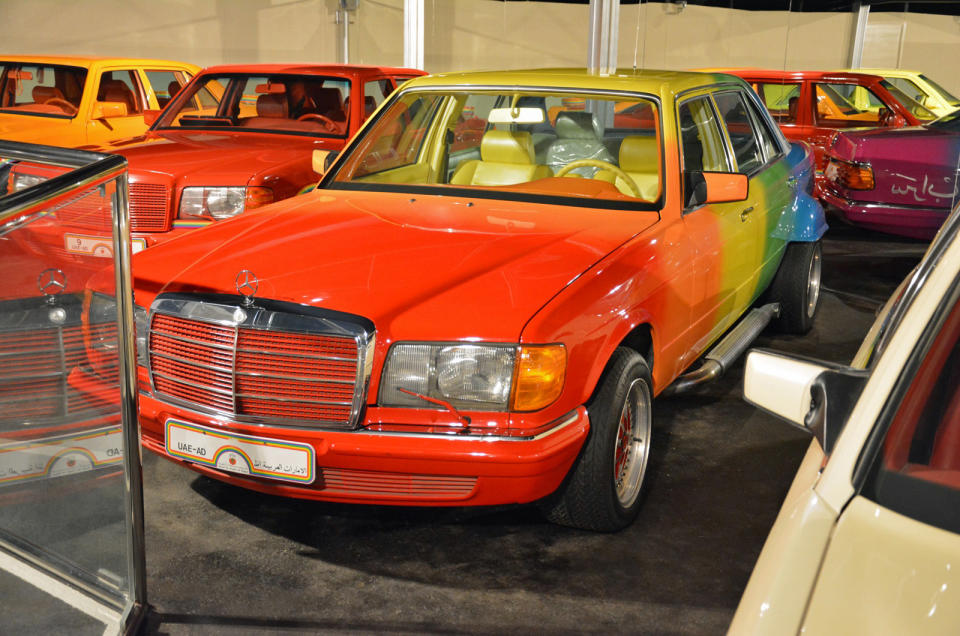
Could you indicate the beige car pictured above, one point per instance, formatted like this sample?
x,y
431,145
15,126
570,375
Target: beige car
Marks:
x,y
868,538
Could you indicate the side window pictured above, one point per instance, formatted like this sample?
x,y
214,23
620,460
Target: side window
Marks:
x,y
766,135
165,84
913,91
373,95
121,87
848,106
746,148
700,138
917,471
401,143
782,100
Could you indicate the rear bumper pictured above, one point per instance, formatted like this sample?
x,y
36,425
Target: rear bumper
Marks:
x,y
398,468
920,223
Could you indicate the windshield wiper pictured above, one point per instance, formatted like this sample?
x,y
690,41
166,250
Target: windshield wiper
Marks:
x,y
463,419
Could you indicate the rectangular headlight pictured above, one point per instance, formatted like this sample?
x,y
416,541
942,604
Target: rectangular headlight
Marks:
x,y
469,376
212,202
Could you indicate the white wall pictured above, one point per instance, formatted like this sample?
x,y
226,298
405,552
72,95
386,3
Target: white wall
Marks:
x,y
472,34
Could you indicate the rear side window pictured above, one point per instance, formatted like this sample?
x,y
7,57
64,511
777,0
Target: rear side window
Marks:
x,y
781,100
917,471
166,84
373,95
700,139
746,147
848,106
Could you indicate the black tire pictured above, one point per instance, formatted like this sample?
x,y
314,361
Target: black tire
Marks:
x,y
796,287
604,489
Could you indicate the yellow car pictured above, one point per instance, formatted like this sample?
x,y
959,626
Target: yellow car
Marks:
x,y
83,101
917,87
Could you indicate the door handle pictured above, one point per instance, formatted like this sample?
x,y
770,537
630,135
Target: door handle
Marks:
x,y
792,182
745,214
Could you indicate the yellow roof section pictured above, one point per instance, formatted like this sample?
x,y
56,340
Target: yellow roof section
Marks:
x,y
633,80
91,61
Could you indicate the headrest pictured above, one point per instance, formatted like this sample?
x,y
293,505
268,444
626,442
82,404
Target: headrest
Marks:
x,y
173,88
640,154
327,99
369,105
573,124
43,94
272,105
503,146
117,91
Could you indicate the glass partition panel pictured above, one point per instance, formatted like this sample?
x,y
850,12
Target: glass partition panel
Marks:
x,y
65,505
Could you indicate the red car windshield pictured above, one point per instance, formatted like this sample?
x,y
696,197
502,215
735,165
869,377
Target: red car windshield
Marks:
x,y
41,90
287,104
510,143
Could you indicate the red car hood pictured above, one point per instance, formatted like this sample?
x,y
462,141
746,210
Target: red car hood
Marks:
x,y
205,158
427,267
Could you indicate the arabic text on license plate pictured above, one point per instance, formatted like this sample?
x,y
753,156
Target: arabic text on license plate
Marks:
x,y
101,246
243,454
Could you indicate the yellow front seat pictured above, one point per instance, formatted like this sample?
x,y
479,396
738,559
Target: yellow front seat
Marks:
x,y
640,159
506,158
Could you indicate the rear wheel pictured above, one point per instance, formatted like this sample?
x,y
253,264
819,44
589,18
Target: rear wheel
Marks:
x,y
797,287
604,490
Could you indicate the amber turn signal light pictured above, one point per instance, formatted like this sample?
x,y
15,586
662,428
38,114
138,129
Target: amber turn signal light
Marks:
x,y
853,176
257,196
539,376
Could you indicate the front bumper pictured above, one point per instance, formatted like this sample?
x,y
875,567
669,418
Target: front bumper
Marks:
x,y
921,223
375,467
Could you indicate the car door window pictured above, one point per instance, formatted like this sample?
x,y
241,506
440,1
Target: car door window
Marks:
x,y
848,106
373,95
761,125
743,138
121,87
782,100
700,139
917,469
166,84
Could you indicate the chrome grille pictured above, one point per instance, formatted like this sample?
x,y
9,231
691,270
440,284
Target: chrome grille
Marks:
x,y
258,364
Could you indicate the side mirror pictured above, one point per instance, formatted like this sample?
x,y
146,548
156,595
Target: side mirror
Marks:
x,y
322,159
815,396
701,188
150,116
108,110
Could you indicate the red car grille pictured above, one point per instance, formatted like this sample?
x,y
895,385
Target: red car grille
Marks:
x,y
360,482
33,374
148,207
268,375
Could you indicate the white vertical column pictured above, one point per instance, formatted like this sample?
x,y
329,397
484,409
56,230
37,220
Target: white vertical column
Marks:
x,y
859,34
604,32
413,33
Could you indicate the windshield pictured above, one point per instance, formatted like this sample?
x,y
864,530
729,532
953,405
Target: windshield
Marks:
x,y
951,99
286,104
916,109
514,143
40,89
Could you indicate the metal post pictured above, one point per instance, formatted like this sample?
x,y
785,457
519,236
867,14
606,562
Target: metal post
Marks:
x,y
127,352
604,31
859,34
343,21
413,34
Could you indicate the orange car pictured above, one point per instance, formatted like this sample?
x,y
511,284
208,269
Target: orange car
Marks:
x,y
83,101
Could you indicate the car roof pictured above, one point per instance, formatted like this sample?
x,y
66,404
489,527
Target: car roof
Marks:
x,y
344,70
631,80
782,74
90,61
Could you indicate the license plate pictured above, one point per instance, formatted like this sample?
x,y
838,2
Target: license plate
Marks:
x,y
242,454
100,246
57,456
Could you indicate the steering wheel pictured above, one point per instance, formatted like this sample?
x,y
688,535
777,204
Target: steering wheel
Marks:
x,y
63,104
328,123
603,165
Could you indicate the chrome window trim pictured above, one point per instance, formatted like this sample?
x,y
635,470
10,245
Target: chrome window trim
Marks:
x,y
229,312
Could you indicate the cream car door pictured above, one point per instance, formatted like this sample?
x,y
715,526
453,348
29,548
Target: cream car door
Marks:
x,y
893,562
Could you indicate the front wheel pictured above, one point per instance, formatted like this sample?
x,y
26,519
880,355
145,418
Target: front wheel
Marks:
x,y
604,489
797,287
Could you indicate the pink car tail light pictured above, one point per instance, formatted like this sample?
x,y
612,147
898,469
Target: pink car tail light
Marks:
x,y
850,175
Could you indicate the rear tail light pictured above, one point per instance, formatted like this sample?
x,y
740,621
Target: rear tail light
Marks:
x,y
850,175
